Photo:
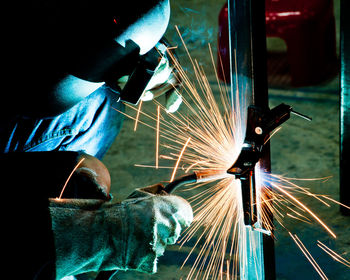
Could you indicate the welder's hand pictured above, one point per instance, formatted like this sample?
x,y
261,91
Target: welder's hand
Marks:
x,y
159,217
94,235
165,81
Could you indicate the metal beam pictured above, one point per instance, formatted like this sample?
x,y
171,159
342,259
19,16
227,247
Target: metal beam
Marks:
x,y
344,106
247,37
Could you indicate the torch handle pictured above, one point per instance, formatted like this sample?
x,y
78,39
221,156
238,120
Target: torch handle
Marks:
x,y
197,177
187,179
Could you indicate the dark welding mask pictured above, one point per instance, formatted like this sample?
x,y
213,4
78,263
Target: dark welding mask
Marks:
x,y
78,45
134,53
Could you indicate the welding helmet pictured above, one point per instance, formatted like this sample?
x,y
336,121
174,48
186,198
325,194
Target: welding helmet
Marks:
x,y
107,35
132,52
94,41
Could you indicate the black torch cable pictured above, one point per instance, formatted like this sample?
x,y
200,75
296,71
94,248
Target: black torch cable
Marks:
x,y
186,179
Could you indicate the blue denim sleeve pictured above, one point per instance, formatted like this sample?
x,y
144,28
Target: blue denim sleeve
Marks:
x,y
90,126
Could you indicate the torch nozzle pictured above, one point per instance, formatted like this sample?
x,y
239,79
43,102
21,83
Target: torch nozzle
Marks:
x,y
197,177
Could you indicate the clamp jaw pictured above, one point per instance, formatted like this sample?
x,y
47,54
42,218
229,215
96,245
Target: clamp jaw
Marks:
x,y
260,124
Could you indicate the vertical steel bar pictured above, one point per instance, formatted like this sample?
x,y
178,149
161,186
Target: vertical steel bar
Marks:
x,y
344,106
247,37
260,98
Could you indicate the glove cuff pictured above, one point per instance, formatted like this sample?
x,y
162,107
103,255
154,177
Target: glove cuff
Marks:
x,y
140,253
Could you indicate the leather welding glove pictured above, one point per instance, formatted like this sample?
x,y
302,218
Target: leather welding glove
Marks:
x,y
166,82
92,235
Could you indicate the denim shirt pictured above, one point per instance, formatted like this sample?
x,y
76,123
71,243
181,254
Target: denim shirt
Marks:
x,y
90,126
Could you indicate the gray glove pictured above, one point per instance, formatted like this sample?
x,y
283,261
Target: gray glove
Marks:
x,y
94,235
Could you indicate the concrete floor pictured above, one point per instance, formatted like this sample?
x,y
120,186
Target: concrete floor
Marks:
x,y
301,149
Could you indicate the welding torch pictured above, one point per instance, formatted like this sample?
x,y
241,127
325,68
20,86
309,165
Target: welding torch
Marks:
x,y
260,123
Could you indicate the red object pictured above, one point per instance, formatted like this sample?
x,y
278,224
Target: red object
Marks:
x,y
308,29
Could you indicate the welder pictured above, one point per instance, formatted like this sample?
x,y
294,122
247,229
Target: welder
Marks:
x,y
68,67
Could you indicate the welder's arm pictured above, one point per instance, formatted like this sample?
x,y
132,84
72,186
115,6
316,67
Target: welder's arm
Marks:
x,y
96,236
28,180
49,171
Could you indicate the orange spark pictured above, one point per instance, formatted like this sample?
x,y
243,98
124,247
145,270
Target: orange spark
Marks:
x,y
334,201
70,175
305,208
157,136
178,160
333,254
193,165
165,157
308,255
272,134
153,166
137,115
